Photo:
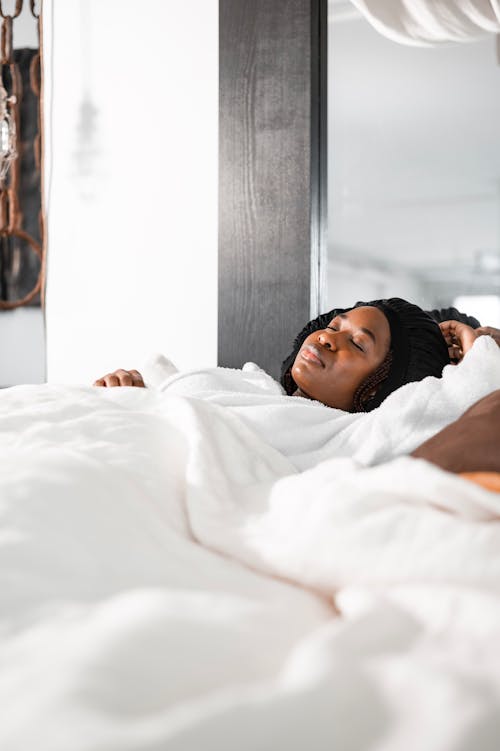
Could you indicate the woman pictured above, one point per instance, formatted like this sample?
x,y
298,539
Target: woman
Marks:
x,y
352,359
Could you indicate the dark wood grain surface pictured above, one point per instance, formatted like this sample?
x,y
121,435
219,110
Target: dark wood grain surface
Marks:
x,y
269,156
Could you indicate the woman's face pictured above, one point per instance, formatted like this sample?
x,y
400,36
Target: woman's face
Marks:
x,y
333,362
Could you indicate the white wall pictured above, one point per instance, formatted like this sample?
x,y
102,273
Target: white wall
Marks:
x,y
22,346
131,122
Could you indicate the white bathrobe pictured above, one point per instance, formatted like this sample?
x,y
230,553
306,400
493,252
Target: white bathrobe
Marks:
x,y
308,432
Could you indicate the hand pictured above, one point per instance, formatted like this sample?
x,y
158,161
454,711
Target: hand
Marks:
x,y
470,444
459,337
121,378
489,331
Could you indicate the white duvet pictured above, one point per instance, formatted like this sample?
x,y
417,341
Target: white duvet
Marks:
x,y
173,566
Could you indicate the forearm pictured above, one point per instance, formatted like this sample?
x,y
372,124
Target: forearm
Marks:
x,y
471,443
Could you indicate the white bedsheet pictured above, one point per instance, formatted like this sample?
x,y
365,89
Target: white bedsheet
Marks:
x,y
168,580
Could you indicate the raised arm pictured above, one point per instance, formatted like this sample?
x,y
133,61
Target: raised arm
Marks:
x,y
460,337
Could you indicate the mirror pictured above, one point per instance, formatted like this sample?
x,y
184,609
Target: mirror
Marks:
x,y
413,170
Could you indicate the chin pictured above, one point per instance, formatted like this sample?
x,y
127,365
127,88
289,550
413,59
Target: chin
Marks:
x,y
301,381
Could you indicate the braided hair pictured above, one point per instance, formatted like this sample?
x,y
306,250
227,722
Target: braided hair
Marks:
x,y
368,388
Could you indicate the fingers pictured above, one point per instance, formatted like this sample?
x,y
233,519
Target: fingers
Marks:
x,y
137,379
455,354
121,377
449,331
108,380
454,348
124,378
459,337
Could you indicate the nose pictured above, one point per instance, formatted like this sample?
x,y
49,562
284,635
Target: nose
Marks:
x,y
328,339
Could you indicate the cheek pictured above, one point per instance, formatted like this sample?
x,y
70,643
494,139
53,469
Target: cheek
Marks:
x,y
299,372
349,376
307,377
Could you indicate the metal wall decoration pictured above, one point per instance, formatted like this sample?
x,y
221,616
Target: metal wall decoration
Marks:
x,y
21,253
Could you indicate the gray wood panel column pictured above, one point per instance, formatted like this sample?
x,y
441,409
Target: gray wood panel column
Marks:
x,y
272,187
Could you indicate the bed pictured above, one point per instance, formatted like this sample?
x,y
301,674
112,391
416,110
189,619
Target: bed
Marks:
x,y
173,578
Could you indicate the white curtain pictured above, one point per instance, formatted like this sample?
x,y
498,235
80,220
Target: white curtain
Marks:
x,y
430,22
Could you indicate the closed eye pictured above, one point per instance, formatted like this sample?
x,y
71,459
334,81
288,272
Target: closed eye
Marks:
x,y
358,346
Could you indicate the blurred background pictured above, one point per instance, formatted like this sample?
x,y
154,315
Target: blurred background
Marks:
x,y
413,169
131,178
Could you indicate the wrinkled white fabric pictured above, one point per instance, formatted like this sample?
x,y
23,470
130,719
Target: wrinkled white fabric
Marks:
x,y
168,578
307,432
430,22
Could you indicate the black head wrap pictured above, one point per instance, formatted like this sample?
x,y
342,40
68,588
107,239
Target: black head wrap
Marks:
x,y
452,314
417,345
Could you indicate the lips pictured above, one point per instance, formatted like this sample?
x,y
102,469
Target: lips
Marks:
x,y
312,354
